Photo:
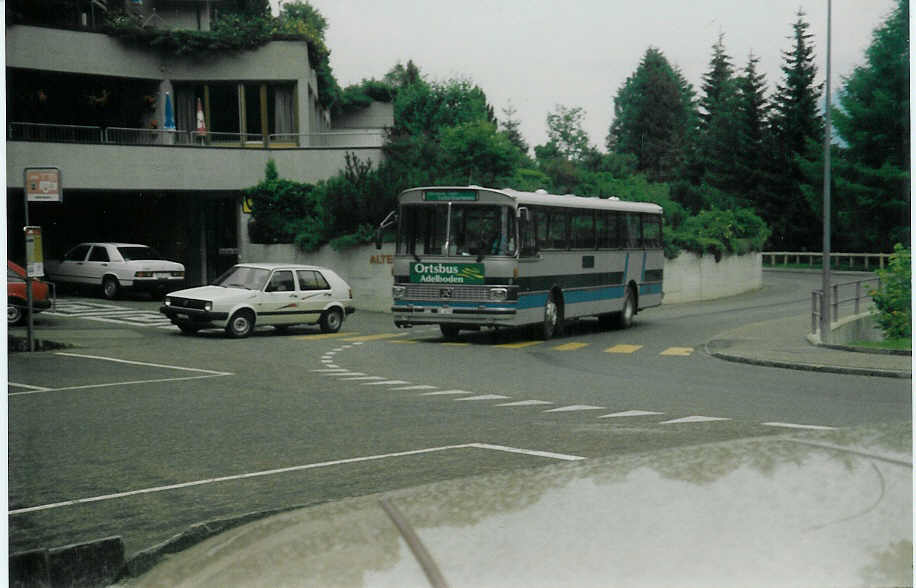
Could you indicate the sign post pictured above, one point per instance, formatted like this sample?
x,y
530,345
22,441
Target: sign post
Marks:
x,y
42,184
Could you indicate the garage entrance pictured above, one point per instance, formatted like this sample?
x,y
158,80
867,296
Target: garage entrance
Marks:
x,y
197,229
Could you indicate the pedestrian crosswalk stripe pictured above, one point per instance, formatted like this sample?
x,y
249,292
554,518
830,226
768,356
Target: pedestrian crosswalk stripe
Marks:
x,y
680,351
484,397
446,393
623,349
794,426
694,419
576,407
518,345
378,337
322,336
570,346
525,403
630,413
362,378
416,387
386,383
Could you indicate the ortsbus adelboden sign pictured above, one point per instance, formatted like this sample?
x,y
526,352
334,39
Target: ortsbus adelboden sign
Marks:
x,y
43,184
446,273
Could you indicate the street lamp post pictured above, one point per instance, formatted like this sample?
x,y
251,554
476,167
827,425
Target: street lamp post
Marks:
x,y
825,274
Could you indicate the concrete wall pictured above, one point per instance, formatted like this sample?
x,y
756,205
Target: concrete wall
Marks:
x,y
692,278
126,167
688,278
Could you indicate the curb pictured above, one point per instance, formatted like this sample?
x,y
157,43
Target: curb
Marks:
x,y
96,563
810,367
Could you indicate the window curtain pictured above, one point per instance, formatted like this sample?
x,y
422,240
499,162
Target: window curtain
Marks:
x,y
284,117
185,109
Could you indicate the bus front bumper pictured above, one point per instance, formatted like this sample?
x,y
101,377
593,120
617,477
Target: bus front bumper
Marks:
x,y
407,315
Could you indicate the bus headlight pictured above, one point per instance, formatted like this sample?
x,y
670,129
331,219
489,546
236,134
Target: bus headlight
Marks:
x,y
498,293
398,291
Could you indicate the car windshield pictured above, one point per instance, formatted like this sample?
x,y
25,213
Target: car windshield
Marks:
x,y
250,278
138,253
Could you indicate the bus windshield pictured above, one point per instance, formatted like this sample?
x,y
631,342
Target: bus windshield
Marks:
x,y
457,230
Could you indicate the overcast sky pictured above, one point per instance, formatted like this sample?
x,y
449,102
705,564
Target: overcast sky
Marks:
x,y
536,54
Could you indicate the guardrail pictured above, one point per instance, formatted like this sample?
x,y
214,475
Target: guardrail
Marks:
x,y
845,296
19,131
814,259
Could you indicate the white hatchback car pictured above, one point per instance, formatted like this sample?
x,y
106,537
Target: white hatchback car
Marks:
x,y
115,266
252,294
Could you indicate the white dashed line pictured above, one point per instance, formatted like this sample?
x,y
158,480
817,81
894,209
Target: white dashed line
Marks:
x,y
576,407
447,393
484,397
525,403
694,419
794,426
417,387
630,413
386,383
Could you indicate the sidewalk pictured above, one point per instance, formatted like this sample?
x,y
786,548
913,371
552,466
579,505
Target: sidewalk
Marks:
x,y
783,343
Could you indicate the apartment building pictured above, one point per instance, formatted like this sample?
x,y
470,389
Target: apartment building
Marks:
x,y
155,147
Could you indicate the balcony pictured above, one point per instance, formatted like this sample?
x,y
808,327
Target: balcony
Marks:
x,y
53,133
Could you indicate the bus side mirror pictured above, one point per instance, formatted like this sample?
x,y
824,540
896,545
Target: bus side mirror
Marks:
x,y
389,220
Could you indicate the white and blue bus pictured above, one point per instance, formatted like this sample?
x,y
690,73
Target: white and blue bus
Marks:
x,y
470,257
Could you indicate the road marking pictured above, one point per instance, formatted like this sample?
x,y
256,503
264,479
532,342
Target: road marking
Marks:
x,y
386,383
322,336
503,448
484,397
378,337
446,393
518,345
404,341
794,426
570,346
38,388
355,378
348,374
525,403
575,407
107,385
694,419
417,387
331,370
678,351
623,349
454,344
630,413
143,363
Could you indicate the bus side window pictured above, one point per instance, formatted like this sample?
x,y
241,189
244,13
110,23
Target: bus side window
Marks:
x,y
632,234
582,230
527,234
651,230
557,230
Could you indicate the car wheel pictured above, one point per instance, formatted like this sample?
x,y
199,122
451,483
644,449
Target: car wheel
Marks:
x,y
624,318
331,320
110,287
241,324
449,331
14,314
551,323
187,329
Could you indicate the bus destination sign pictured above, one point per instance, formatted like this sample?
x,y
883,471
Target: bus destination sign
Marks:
x,y
446,273
442,196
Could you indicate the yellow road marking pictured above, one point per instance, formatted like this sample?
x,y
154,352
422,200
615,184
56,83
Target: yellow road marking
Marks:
x,y
519,345
681,351
376,337
570,346
623,349
323,336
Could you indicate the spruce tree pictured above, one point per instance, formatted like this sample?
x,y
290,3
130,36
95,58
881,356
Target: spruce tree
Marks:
x,y
795,123
653,114
753,156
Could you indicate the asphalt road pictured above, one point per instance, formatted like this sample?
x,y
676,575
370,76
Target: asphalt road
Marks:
x,y
140,431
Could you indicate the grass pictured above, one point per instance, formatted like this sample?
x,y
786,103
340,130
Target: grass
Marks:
x,y
902,344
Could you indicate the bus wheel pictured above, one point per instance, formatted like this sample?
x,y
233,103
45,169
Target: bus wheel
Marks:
x,y
551,318
625,316
449,331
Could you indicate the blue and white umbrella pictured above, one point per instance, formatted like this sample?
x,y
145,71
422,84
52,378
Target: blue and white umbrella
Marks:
x,y
169,114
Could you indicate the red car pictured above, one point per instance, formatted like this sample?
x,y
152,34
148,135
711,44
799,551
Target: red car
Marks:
x,y
17,302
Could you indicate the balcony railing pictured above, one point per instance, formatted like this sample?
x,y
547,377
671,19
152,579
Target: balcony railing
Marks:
x,y
48,133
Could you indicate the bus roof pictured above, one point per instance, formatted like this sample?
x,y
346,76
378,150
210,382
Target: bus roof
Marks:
x,y
545,199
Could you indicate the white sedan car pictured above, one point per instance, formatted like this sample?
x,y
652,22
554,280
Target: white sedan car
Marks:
x,y
252,294
114,266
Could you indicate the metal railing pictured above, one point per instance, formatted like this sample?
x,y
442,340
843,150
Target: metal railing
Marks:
x,y
19,131
846,297
814,259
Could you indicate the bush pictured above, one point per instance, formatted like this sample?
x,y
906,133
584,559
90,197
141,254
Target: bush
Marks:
x,y
719,232
284,211
893,301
